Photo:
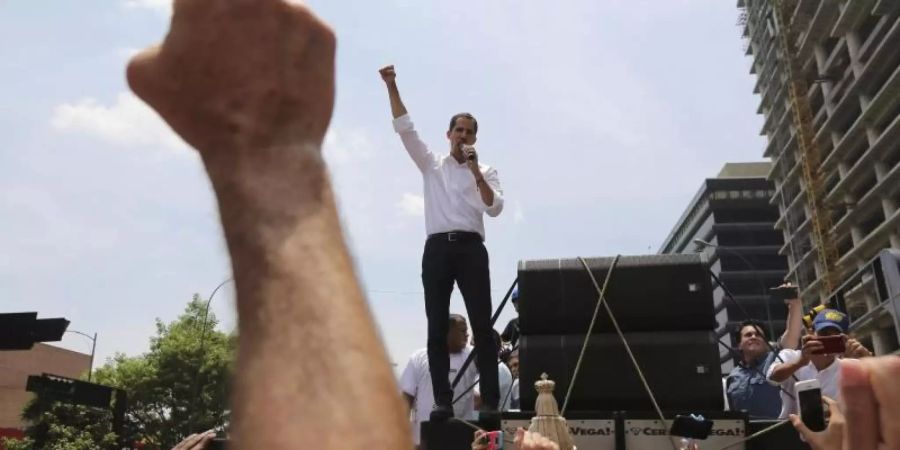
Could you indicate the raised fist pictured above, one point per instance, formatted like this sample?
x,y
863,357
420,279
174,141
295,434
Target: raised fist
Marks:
x,y
388,74
240,74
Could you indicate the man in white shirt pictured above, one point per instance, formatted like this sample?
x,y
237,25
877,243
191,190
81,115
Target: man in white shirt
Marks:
x,y
458,192
513,363
505,378
415,382
810,362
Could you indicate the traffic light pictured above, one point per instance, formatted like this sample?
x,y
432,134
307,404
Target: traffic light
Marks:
x,y
19,331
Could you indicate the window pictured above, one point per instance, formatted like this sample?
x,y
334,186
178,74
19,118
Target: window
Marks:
x,y
872,221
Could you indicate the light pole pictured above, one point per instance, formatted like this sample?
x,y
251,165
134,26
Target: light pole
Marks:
x,y
206,309
204,325
762,286
93,349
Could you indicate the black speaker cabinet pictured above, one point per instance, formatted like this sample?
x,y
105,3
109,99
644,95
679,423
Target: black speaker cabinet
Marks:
x,y
450,435
784,437
682,368
646,293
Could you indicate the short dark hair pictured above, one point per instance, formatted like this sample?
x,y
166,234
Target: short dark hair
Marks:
x,y
757,324
458,318
463,115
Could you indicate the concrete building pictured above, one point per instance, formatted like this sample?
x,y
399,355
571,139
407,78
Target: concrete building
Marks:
x,y
732,213
848,53
16,366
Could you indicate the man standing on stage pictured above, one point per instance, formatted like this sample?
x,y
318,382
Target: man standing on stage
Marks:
x,y
458,191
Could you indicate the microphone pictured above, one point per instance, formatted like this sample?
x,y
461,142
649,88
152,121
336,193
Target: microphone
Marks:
x,y
469,151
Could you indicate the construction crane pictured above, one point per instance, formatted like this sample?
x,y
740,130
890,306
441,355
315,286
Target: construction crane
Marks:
x,y
808,153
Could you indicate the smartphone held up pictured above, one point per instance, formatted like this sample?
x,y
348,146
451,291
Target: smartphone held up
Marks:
x,y
812,410
831,345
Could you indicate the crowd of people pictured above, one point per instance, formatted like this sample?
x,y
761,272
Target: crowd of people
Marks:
x,y
415,380
764,377
250,85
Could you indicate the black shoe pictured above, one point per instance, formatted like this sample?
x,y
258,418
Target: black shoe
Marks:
x,y
441,413
488,414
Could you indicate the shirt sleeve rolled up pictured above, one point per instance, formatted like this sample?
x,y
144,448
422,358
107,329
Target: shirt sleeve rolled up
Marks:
x,y
414,145
490,176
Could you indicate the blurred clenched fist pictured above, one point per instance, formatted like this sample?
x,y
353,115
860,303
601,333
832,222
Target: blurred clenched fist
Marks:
x,y
239,75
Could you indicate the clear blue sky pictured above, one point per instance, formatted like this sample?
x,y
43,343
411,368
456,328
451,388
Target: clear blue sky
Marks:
x,y
601,117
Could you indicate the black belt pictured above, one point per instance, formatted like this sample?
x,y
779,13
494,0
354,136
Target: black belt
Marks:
x,y
456,236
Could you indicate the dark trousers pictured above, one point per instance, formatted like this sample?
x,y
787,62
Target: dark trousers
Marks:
x,y
466,262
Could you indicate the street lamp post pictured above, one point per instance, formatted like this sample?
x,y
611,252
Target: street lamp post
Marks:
x,y
750,266
204,325
93,349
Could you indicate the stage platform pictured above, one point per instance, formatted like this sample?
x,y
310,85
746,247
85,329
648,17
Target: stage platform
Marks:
x,y
624,430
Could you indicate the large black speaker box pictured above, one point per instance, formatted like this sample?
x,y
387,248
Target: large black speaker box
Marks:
x,y
681,367
645,293
450,435
784,437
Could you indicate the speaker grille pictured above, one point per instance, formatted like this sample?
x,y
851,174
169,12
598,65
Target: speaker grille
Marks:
x,y
646,293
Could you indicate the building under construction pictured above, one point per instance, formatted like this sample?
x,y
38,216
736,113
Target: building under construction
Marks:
x,y
731,222
829,84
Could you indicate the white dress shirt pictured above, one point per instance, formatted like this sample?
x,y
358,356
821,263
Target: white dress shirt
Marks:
x,y
505,379
829,380
452,201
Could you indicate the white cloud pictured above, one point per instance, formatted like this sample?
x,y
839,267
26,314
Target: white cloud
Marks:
x,y
161,6
38,225
347,146
518,213
127,122
411,205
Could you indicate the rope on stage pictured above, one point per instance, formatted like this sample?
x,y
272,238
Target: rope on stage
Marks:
x,y
587,337
756,435
601,301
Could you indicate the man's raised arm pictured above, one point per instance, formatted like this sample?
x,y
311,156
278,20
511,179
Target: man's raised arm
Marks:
x,y
250,85
389,75
793,325
403,125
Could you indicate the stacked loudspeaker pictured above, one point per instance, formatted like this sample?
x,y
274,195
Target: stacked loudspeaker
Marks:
x,y
664,306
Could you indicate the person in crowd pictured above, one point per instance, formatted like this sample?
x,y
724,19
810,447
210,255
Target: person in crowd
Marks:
x,y
746,386
504,376
812,362
415,381
513,363
523,440
510,335
868,418
458,192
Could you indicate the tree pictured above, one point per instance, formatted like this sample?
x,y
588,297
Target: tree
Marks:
x,y
177,388
58,426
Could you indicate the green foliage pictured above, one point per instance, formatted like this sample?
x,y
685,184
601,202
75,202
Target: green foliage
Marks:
x,y
58,426
177,388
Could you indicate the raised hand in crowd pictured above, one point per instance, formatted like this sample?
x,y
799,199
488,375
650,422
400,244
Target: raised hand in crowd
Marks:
x,y
528,440
524,440
833,436
250,85
198,441
869,417
856,350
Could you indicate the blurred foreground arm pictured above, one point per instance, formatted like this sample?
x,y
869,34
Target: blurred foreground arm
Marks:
x,y
870,419
250,85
